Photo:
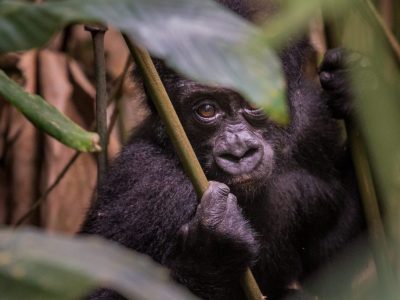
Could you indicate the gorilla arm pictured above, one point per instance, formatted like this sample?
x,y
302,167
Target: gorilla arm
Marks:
x,y
206,248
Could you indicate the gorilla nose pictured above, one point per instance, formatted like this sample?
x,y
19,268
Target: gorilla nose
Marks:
x,y
237,160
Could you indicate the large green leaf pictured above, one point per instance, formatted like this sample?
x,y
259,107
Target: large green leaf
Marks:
x,y
198,38
39,266
46,117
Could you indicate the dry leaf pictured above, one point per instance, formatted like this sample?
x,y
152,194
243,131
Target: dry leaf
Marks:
x,y
66,205
22,151
80,78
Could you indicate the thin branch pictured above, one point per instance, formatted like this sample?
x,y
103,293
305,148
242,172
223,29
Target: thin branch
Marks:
x,y
386,10
48,191
98,33
394,44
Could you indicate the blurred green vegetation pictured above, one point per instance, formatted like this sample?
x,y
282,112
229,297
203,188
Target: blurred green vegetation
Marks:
x,y
219,48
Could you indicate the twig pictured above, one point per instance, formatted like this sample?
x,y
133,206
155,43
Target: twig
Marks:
x,y
98,33
394,44
48,191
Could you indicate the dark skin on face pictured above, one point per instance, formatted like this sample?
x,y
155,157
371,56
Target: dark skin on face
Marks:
x,y
232,129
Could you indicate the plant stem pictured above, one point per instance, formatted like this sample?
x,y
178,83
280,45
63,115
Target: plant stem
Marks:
x,y
391,38
372,213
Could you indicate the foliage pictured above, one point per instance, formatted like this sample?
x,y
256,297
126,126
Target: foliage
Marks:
x,y
41,266
47,117
187,33
208,44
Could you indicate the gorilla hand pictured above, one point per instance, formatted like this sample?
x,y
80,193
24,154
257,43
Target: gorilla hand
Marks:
x,y
218,241
335,75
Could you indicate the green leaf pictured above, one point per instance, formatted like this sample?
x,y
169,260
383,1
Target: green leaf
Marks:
x,y
46,117
39,266
198,38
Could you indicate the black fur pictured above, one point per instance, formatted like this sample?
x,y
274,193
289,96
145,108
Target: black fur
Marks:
x,y
290,219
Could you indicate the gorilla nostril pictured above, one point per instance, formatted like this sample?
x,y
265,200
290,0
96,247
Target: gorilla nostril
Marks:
x,y
230,157
237,158
250,152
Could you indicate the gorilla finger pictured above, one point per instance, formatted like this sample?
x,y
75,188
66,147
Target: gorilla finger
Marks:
x,y
190,234
231,203
336,82
215,194
218,187
233,214
212,209
334,59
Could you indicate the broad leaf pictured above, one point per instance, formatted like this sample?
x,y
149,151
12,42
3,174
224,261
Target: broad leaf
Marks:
x,y
47,118
39,266
198,38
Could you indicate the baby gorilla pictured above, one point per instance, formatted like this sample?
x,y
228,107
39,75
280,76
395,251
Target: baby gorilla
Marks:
x,y
282,200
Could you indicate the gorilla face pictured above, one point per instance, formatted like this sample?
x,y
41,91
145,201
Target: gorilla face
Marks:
x,y
230,135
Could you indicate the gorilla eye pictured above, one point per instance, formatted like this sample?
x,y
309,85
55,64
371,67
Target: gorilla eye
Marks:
x,y
206,111
254,112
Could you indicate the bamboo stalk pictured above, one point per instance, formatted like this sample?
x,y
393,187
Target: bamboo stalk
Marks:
x,y
181,143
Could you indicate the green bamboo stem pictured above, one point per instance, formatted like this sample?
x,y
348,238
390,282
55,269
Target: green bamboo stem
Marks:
x,y
380,247
181,143
167,113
